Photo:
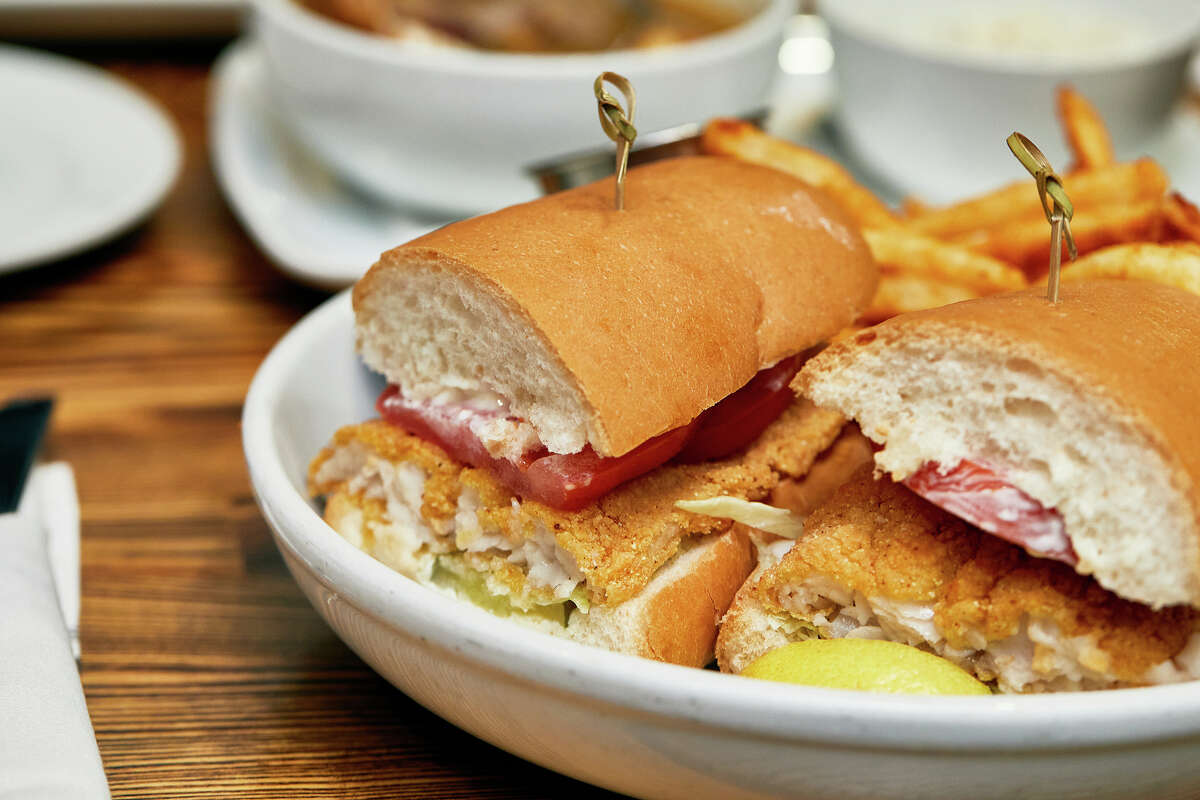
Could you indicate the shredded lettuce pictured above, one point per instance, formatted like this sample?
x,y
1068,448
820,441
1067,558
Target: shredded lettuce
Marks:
x,y
778,521
582,599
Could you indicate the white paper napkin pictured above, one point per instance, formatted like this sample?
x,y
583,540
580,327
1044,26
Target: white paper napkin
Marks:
x,y
47,747
52,487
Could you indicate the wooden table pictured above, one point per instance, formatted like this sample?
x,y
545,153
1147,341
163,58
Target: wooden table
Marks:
x,y
206,672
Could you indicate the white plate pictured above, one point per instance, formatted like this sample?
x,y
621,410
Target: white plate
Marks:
x,y
83,157
315,228
80,19
658,730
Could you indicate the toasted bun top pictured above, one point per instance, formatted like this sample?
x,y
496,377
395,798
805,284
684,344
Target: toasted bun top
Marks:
x,y
1088,406
627,323
1135,342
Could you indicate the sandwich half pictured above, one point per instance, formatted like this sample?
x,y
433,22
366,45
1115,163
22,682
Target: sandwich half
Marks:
x,y
560,374
1069,429
878,561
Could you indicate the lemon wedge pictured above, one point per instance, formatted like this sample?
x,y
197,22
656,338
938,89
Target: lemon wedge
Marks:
x,y
868,665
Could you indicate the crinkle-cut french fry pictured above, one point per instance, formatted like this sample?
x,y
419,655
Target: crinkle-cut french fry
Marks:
x,y
904,252
1018,203
900,292
1026,243
1086,132
741,140
1173,263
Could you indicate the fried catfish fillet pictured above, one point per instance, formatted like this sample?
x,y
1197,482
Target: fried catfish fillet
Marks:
x,y
877,561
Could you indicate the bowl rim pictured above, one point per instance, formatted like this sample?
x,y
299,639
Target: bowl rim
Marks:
x,y
682,695
762,26
1167,44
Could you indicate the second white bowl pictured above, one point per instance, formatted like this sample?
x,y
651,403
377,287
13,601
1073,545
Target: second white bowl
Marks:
x,y
927,92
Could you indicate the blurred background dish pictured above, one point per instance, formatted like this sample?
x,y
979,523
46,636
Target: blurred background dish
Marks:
x,y
321,230
451,129
313,226
927,96
83,157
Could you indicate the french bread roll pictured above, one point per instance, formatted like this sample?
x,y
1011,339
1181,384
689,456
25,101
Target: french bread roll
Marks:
x,y
1088,406
608,327
675,618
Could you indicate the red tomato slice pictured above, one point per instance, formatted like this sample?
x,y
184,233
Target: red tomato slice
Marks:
x,y
447,426
568,482
979,495
572,481
741,417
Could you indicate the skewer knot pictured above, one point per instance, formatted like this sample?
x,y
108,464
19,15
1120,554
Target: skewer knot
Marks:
x,y
1055,203
617,125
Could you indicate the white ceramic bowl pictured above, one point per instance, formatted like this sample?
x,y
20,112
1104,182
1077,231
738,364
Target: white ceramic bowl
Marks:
x,y
452,129
662,731
931,119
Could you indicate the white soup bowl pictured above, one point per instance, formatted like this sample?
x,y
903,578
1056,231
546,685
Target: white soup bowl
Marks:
x,y
452,129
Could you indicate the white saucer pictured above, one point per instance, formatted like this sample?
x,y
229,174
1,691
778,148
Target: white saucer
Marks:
x,y
313,227
323,233
83,157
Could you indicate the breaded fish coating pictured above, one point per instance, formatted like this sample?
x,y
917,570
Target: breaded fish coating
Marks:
x,y
878,561
529,552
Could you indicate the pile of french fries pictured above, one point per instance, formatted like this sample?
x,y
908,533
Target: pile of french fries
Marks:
x,y
1127,223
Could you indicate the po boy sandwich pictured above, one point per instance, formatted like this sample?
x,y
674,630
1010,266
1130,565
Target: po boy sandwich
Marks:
x,y
1035,512
561,373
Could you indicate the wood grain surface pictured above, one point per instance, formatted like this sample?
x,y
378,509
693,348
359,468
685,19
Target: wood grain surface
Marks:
x,y
206,672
